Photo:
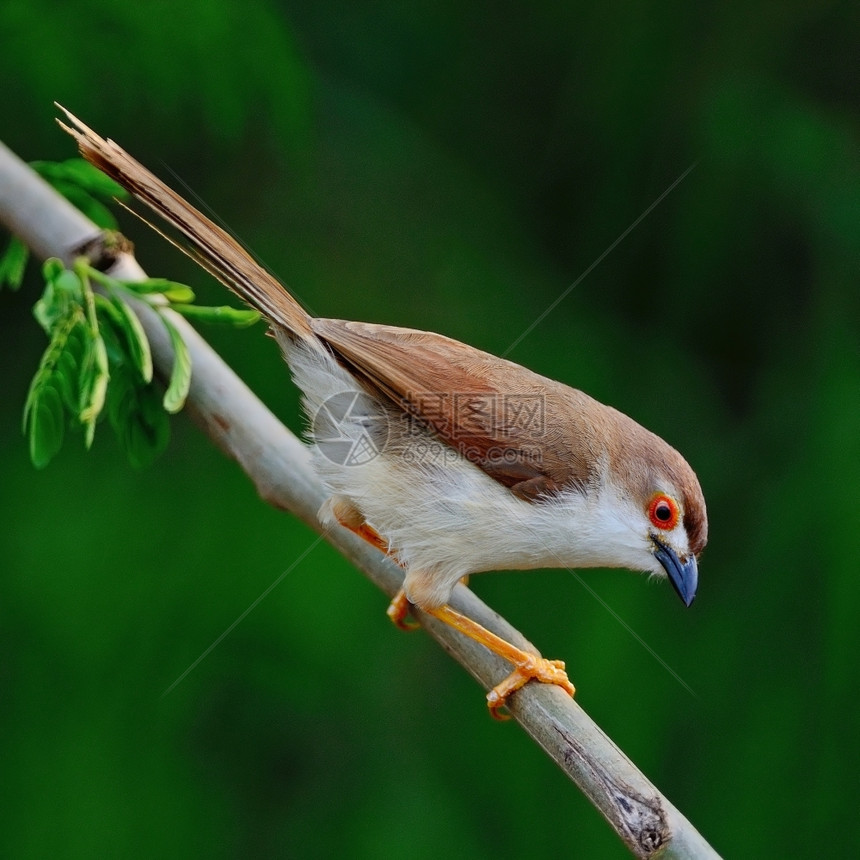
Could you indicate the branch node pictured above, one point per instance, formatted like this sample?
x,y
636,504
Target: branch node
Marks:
x,y
104,250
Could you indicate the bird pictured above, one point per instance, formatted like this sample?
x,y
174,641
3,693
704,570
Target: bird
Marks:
x,y
448,459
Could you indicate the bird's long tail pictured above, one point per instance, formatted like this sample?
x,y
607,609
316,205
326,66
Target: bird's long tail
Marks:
x,y
213,248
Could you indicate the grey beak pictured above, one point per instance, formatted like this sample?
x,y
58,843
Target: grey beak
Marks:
x,y
684,576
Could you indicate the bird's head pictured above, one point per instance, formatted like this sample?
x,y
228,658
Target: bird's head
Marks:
x,y
660,510
677,531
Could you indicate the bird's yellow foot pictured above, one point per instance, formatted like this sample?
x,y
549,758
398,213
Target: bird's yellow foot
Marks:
x,y
532,668
400,612
527,666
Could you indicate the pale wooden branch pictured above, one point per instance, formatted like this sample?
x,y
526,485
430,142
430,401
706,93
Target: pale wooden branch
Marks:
x,y
279,465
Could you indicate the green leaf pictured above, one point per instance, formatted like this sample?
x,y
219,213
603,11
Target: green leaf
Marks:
x,y
225,315
13,263
141,425
63,291
94,376
43,410
148,429
46,425
68,281
51,307
130,330
67,371
81,173
94,209
95,371
180,293
121,397
52,268
171,290
48,362
180,374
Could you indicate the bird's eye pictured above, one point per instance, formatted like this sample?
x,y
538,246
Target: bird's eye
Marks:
x,y
663,512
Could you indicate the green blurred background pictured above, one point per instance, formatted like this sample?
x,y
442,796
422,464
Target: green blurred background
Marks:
x,y
453,167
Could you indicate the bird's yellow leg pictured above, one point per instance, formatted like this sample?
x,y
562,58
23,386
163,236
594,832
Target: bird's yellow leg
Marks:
x,y
399,610
527,667
351,518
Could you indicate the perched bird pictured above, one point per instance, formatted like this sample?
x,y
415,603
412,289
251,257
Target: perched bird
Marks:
x,y
449,459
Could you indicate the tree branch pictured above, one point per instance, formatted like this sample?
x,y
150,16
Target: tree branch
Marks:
x,y
279,465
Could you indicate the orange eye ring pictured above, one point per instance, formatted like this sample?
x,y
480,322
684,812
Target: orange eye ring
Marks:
x,y
663,512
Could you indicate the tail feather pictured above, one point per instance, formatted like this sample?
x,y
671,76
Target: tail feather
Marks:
x,y
214,249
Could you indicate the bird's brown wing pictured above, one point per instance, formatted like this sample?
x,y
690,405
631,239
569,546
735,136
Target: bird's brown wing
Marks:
x,y
518,427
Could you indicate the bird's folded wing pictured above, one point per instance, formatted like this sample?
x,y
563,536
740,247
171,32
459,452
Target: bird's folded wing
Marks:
x,y
520,428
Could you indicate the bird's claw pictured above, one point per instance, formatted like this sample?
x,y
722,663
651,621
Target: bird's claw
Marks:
x,y
532,668
400,612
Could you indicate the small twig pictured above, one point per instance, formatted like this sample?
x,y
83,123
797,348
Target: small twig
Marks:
x,y
279,465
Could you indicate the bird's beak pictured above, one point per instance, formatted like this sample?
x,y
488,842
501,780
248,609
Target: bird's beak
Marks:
x,y
684,576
